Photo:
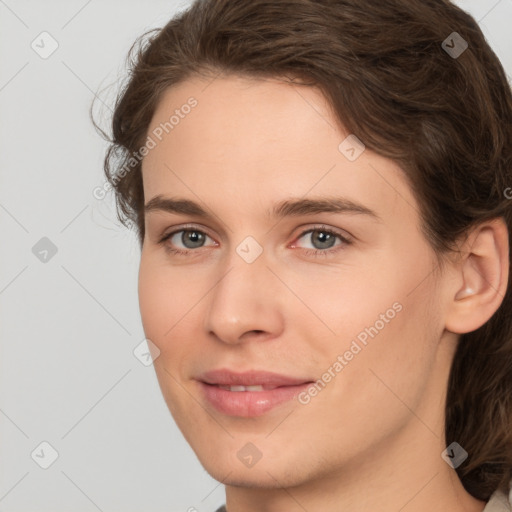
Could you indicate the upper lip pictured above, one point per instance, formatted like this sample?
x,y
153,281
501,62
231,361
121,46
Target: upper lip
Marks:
x,y
225,377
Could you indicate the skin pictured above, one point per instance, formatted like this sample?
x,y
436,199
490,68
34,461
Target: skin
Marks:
x,y
372,438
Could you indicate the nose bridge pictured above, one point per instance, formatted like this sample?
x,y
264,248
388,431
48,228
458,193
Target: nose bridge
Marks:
x,y
245,298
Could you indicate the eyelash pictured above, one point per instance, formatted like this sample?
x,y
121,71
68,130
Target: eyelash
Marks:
x,y
308,252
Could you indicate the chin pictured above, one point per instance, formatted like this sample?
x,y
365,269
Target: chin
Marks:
x,y
252,478
266,474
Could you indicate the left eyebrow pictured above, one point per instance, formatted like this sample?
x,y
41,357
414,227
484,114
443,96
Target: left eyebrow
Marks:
x,y
287,208
297,207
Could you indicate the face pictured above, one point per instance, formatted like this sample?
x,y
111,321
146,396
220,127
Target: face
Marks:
x,y
278,259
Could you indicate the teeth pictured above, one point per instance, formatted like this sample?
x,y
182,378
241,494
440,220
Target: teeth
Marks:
x,y
254,388
242,388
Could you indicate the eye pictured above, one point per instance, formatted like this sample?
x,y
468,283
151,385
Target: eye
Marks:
x,y
323,241
184,241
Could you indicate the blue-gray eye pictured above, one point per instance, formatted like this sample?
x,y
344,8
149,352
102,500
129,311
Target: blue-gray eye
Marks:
x,y
324,239
190,238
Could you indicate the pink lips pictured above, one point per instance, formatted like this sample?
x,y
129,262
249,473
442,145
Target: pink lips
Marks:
x,y
276,389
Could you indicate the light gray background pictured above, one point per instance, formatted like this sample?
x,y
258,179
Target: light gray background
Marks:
x,y
69,325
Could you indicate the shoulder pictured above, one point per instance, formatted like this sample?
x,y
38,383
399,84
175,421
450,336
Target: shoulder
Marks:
x,y
499,502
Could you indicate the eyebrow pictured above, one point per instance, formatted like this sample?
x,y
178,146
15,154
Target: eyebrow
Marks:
x,y
290,207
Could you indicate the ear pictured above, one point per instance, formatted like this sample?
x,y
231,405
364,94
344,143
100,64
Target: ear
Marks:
x,y
481,277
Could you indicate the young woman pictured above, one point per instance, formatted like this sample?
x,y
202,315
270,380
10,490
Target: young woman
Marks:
x,y
321,190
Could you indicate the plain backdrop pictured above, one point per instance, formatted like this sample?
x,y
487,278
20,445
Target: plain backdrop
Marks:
x,y
73,395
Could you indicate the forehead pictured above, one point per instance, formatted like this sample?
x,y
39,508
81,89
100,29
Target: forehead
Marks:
x,y
235,115
259,139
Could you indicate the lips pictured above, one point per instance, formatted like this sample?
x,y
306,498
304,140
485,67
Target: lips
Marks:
x,y
249,394
268,380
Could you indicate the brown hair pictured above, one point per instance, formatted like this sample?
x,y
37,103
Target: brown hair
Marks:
x,y
446,121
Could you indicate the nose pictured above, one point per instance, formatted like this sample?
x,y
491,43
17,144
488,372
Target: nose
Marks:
x,y
245,303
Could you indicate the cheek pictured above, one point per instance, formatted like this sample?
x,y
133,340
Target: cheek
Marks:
x,y
387,324
164,300
343,304
166,306
372,396
391,372
170,302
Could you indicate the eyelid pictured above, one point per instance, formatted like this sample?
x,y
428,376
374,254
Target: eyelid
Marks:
x,y
185,227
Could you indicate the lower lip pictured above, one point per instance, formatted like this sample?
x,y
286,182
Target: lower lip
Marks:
x,y
248,404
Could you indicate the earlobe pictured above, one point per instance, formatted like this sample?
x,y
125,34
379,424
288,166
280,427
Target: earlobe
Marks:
x,y
482,277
